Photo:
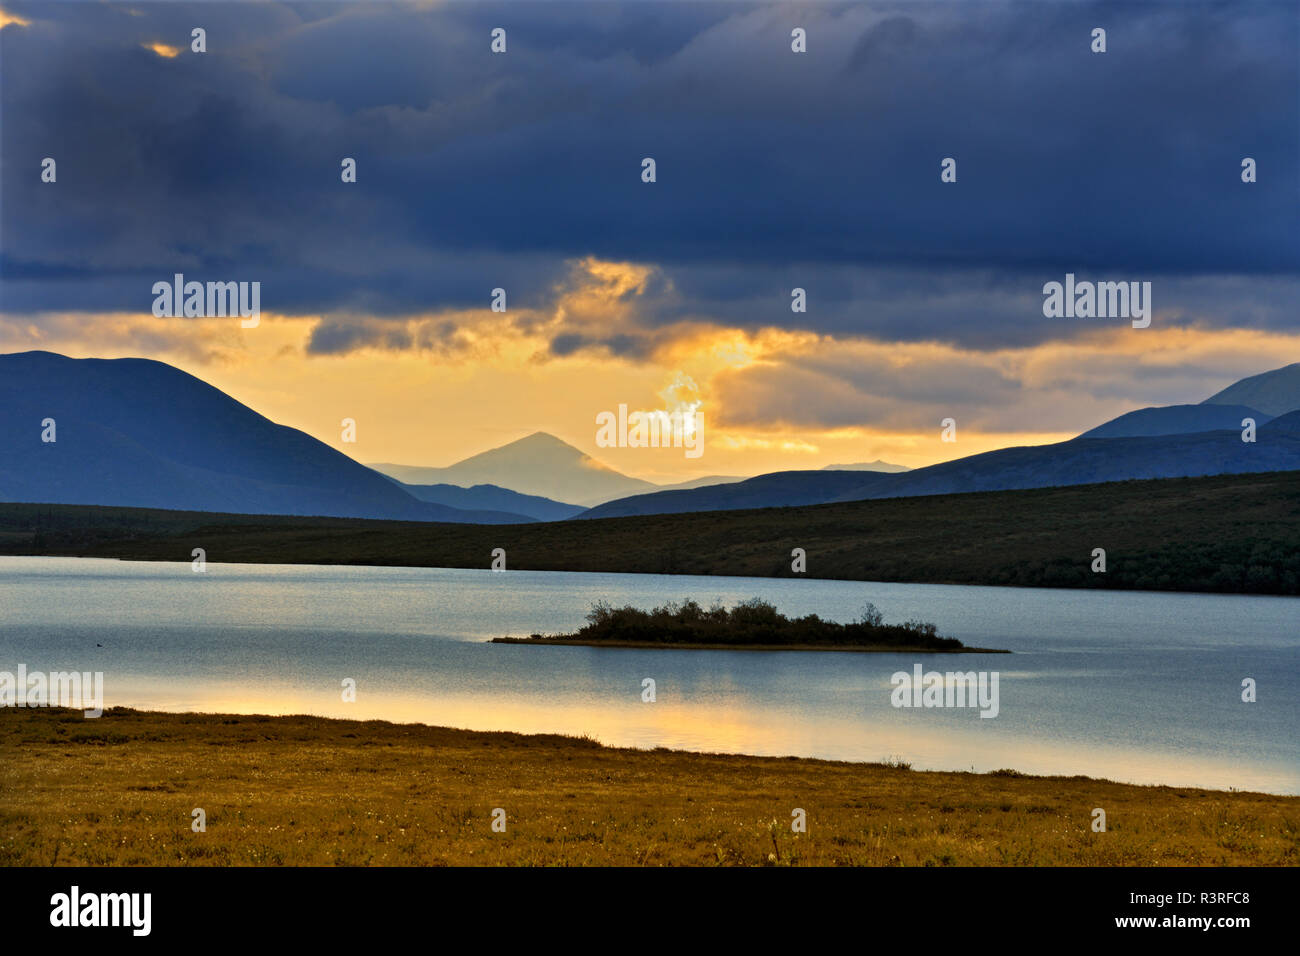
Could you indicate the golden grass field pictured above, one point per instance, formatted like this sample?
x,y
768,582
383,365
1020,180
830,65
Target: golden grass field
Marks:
x,y
292,791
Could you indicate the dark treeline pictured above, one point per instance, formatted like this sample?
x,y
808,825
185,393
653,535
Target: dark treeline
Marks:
x,y
1236,534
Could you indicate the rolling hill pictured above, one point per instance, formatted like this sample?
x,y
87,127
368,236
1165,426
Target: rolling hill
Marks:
x,y
782,489
135,432
1170,442
1227,533
493,498
1274,393
1176,420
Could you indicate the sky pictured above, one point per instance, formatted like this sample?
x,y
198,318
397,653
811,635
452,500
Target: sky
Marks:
x,y
774,170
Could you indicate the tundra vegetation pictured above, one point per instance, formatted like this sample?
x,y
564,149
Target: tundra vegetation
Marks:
x,y
1233,534
307,791
752,624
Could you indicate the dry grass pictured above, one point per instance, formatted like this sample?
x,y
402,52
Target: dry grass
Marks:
x,y
308,791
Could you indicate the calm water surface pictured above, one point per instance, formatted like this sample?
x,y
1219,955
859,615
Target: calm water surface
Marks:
x,y
1142,687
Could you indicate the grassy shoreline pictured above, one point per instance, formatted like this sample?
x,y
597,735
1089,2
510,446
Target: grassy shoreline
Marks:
x,y
120,790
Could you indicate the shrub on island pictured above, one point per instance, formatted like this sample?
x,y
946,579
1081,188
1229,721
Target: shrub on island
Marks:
x,y
750,623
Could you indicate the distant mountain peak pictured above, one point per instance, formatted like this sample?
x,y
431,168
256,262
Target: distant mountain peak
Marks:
x,y
539,464
541,438
877,465
1275,393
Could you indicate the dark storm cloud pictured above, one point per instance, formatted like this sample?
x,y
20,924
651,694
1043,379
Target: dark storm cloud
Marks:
x,y
774,170
626,346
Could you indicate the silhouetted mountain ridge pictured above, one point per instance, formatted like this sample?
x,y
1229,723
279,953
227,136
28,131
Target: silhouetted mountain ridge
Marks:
x,y
538,464
493,498
1167,442
1274,393
136,432
1176,420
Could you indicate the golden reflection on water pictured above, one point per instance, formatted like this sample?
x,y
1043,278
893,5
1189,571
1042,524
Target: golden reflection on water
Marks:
x,y
706,727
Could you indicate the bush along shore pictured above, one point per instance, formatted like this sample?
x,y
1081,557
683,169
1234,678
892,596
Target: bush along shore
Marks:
x,y
750,625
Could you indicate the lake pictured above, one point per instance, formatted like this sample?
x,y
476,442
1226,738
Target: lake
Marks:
x,y
1134,686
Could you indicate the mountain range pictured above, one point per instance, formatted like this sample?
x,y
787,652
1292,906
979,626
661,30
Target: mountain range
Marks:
x,y
493,498
537,466
135,432
1161,442
140,433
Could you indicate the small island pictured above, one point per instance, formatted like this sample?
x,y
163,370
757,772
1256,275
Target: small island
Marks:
x,y
753,625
